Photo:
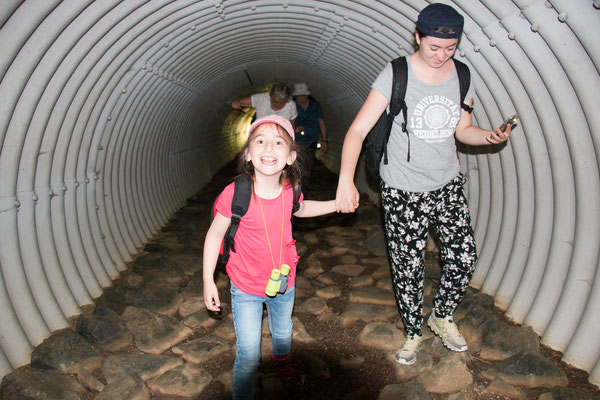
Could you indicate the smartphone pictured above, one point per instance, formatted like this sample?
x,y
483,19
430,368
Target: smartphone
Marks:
x,y
512,120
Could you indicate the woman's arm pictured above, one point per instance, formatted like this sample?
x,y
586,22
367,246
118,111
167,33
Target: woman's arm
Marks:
x,y
468,133
347,196
313,208
212,246
323,129
243,102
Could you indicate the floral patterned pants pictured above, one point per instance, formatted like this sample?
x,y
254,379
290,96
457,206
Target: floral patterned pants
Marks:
x,y
408,216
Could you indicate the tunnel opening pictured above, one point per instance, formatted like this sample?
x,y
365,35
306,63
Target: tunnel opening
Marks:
x,y
115,113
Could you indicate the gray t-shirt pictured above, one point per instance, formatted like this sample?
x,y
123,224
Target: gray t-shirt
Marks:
x,y
262,103
433,111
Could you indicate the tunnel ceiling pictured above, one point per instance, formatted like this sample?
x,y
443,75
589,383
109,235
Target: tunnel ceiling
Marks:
x,y
113,113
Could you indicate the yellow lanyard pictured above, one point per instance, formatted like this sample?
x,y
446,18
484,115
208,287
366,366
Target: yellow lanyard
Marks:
x,y
267,231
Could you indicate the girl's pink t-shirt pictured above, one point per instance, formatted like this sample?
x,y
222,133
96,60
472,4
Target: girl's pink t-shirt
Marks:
x,y
249,268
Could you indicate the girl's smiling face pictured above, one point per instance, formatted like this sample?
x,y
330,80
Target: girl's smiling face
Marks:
x,y
269,149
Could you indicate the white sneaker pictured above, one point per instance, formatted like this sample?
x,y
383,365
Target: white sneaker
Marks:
x,y
407,355
447,330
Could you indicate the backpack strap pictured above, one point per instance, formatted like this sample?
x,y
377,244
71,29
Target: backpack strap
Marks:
x,y
242,191
464,80
397,103
297,189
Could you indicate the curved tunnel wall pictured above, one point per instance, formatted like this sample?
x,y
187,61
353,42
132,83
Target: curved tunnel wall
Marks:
x,y
112,113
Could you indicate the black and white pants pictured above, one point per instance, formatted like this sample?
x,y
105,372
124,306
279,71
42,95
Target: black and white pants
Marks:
x,y
408,217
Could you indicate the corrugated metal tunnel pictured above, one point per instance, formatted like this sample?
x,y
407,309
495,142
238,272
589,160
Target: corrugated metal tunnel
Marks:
x,y
112,113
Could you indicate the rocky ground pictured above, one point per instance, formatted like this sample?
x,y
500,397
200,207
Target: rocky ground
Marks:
x,y
149,336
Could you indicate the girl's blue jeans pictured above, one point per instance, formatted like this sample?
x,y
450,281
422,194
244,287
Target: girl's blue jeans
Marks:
x,y
247,311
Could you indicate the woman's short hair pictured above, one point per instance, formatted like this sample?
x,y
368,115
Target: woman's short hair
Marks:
x,y
281,92
415,45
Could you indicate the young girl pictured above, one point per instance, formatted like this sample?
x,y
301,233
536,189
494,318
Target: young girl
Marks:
x,y
263,242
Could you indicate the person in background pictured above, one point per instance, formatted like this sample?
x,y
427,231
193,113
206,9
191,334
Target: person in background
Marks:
x,y
427,189
308,124
277,102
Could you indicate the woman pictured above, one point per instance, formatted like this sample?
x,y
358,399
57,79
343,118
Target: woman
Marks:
x,y
426,189
277,102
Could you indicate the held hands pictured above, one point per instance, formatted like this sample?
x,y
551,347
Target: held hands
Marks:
x,y
347,198
211,297
498,136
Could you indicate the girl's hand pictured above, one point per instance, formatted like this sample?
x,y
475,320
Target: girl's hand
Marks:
x,y
236,104
211,297
347,198
497,136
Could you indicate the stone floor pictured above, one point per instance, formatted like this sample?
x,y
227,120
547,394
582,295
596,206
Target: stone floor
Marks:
x,y
149,336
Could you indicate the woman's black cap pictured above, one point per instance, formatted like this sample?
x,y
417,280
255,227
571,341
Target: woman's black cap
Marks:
x,y
438,15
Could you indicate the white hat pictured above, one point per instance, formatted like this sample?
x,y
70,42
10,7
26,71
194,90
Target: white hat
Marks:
x,y
301,89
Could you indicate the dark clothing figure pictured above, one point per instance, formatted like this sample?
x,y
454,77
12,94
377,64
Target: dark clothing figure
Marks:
x,y
308,124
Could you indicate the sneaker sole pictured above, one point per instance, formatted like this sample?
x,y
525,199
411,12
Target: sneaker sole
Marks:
x,y
449,345
404,362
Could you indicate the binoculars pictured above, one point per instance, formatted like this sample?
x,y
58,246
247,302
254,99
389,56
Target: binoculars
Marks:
x,y
278,281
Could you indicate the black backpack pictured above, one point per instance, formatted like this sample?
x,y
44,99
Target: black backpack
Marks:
x,y
242,192
376,140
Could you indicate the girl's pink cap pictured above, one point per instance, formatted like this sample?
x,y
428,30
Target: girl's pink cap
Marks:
x,y
274,119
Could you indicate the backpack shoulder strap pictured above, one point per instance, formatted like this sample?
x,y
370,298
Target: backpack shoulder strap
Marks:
x,y
242,191
399,83
464,80
297,189
397,103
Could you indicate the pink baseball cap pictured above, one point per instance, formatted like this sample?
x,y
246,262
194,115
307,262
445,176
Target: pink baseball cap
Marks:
x,y
274,119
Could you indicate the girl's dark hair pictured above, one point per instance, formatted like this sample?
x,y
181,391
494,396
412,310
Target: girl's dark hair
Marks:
x,y
291,173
